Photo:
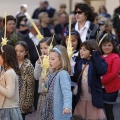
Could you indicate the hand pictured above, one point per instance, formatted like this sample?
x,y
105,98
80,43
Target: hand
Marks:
x,y
43,80
40,58
66,111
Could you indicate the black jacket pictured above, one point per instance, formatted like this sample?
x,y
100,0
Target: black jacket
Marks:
x,y
32,49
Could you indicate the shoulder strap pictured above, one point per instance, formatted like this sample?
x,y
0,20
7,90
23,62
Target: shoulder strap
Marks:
x,y
81,73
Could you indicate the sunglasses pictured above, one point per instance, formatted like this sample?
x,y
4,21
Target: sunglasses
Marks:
x,y
22,25
78,12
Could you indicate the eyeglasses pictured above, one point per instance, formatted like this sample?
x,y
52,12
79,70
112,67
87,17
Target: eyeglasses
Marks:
x,y
78,12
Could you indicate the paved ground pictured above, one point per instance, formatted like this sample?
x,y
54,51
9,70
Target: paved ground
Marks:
x,y
33,116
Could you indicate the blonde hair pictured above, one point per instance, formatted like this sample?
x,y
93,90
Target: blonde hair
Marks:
x,y
41,15
63,56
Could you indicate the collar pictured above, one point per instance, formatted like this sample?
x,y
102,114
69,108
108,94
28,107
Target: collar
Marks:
x,y
31,35
48,8
87,25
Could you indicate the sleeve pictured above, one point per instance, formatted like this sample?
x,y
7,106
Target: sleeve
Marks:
x,y
30,86
65,83
37,71
9,90
114,72
100,64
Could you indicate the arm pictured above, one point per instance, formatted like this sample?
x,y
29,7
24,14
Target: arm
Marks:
x,y
30,86
65,83
9,90
114,72
37,70
100,64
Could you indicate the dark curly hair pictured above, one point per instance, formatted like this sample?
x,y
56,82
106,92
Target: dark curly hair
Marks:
x,y
86,9
8,18
10,58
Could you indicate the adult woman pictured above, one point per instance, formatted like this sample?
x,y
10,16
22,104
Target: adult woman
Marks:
x,y
84,25
46,28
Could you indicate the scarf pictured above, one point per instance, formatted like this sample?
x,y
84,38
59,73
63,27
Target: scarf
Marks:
x,y
90,70
90,73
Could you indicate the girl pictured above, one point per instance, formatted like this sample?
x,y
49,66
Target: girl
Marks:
x,y
9,109
58,105
26,79
89,96
111,80
44,44
76,42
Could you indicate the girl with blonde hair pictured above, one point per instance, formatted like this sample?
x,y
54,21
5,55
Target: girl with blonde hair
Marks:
x,y
59,96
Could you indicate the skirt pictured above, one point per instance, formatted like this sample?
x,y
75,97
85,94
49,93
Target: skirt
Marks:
x,y
41,105
85,110
10,114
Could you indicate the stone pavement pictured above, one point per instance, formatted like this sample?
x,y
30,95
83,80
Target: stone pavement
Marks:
x,y
34,116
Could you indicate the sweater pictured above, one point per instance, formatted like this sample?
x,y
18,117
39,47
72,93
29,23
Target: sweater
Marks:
x,y
37,75
11,89
111,79
62,95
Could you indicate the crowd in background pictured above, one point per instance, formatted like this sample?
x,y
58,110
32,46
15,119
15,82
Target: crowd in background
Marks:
x,y
86,25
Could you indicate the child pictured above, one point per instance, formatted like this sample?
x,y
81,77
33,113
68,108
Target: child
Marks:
x,y
44,44
9,109
76,42
88,101
58,105
27,80
111,80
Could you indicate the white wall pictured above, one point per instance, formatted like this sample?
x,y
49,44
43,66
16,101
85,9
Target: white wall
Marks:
x,y
111,5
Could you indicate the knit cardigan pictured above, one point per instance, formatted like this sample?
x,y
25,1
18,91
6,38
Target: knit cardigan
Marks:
x,y
62,96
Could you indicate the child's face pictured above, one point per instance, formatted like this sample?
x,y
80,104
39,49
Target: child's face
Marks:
x,y
73,40
20,51
54,60
84,53
44,48
1,60
107,48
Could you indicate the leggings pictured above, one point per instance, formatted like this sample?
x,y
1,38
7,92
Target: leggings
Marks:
x,y
109,111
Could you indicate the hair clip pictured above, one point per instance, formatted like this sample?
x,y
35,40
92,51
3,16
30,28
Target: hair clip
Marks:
x,y
102,38
56,49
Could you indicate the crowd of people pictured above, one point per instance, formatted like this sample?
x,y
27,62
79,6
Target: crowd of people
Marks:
x,y
83,86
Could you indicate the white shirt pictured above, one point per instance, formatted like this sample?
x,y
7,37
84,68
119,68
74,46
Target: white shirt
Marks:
x,y
83,30
34,39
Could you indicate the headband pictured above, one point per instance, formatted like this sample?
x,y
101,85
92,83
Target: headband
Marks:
x,y
56,49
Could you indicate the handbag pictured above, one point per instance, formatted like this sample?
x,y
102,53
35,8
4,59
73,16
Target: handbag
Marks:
x,y
75,89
